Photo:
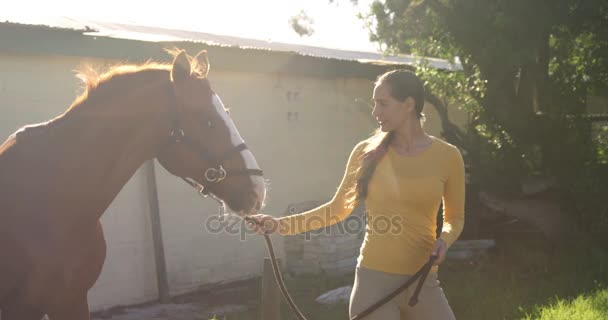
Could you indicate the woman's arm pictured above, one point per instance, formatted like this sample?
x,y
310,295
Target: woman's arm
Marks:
x,y
336,210
453,200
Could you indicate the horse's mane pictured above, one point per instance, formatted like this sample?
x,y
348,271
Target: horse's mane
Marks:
x,y
97,83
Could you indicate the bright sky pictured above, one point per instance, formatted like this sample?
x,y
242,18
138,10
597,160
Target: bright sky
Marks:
x,y
335,25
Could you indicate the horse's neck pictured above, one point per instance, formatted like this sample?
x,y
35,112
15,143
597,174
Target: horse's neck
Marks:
x,y
97,149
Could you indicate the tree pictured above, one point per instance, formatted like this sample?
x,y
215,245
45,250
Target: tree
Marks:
x,y
521,59
528,67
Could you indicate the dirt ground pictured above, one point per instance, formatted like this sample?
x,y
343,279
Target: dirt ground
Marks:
x,y
219,301
174,311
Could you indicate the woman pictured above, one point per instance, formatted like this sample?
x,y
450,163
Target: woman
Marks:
x,y
402,174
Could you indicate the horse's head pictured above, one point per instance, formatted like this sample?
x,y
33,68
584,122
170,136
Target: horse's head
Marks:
x,y
206,146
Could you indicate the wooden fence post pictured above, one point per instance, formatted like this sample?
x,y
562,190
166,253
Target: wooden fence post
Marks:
x,y
157,235
270,307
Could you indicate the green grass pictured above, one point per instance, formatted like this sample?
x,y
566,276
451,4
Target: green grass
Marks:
x,y
517,280
518,277
593,306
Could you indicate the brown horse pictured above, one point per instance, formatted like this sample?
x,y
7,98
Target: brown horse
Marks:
x,y
58,178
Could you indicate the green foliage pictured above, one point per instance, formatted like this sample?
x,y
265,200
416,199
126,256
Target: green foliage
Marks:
x,y
528,68
452,88
600,135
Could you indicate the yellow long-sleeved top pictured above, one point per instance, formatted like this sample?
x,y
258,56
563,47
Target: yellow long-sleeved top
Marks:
x,y
403,199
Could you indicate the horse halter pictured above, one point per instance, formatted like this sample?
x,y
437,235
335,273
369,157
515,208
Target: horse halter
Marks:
x,y
216,172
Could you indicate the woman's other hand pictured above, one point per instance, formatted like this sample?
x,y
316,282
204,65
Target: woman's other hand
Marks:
x,y
439,249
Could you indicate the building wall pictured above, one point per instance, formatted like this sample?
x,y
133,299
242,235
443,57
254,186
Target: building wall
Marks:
x,y
301,130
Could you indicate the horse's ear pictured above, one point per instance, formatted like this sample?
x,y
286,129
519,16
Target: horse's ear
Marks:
x,y
202,61
181,67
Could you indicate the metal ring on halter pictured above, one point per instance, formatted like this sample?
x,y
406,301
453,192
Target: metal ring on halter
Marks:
x,y
223,174
215,175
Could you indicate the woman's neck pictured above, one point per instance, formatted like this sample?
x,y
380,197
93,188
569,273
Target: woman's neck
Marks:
x,y
410,136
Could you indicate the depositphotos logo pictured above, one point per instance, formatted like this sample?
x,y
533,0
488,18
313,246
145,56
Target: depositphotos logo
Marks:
x,y
325,224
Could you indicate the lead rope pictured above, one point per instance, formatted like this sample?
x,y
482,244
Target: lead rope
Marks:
x,y
275,265
277,274
422,273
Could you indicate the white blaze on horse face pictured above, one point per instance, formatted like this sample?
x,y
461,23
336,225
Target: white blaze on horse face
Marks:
x,y
235,138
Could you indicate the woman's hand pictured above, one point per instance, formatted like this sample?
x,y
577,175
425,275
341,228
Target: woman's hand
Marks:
x,y
263,223
439,249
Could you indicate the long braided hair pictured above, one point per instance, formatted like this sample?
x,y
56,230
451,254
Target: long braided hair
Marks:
x,y
403,84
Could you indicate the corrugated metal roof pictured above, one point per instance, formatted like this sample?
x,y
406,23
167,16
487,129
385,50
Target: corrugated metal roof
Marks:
x,y
158,34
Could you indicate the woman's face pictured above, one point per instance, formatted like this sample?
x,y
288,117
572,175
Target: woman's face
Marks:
x,y
388,111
